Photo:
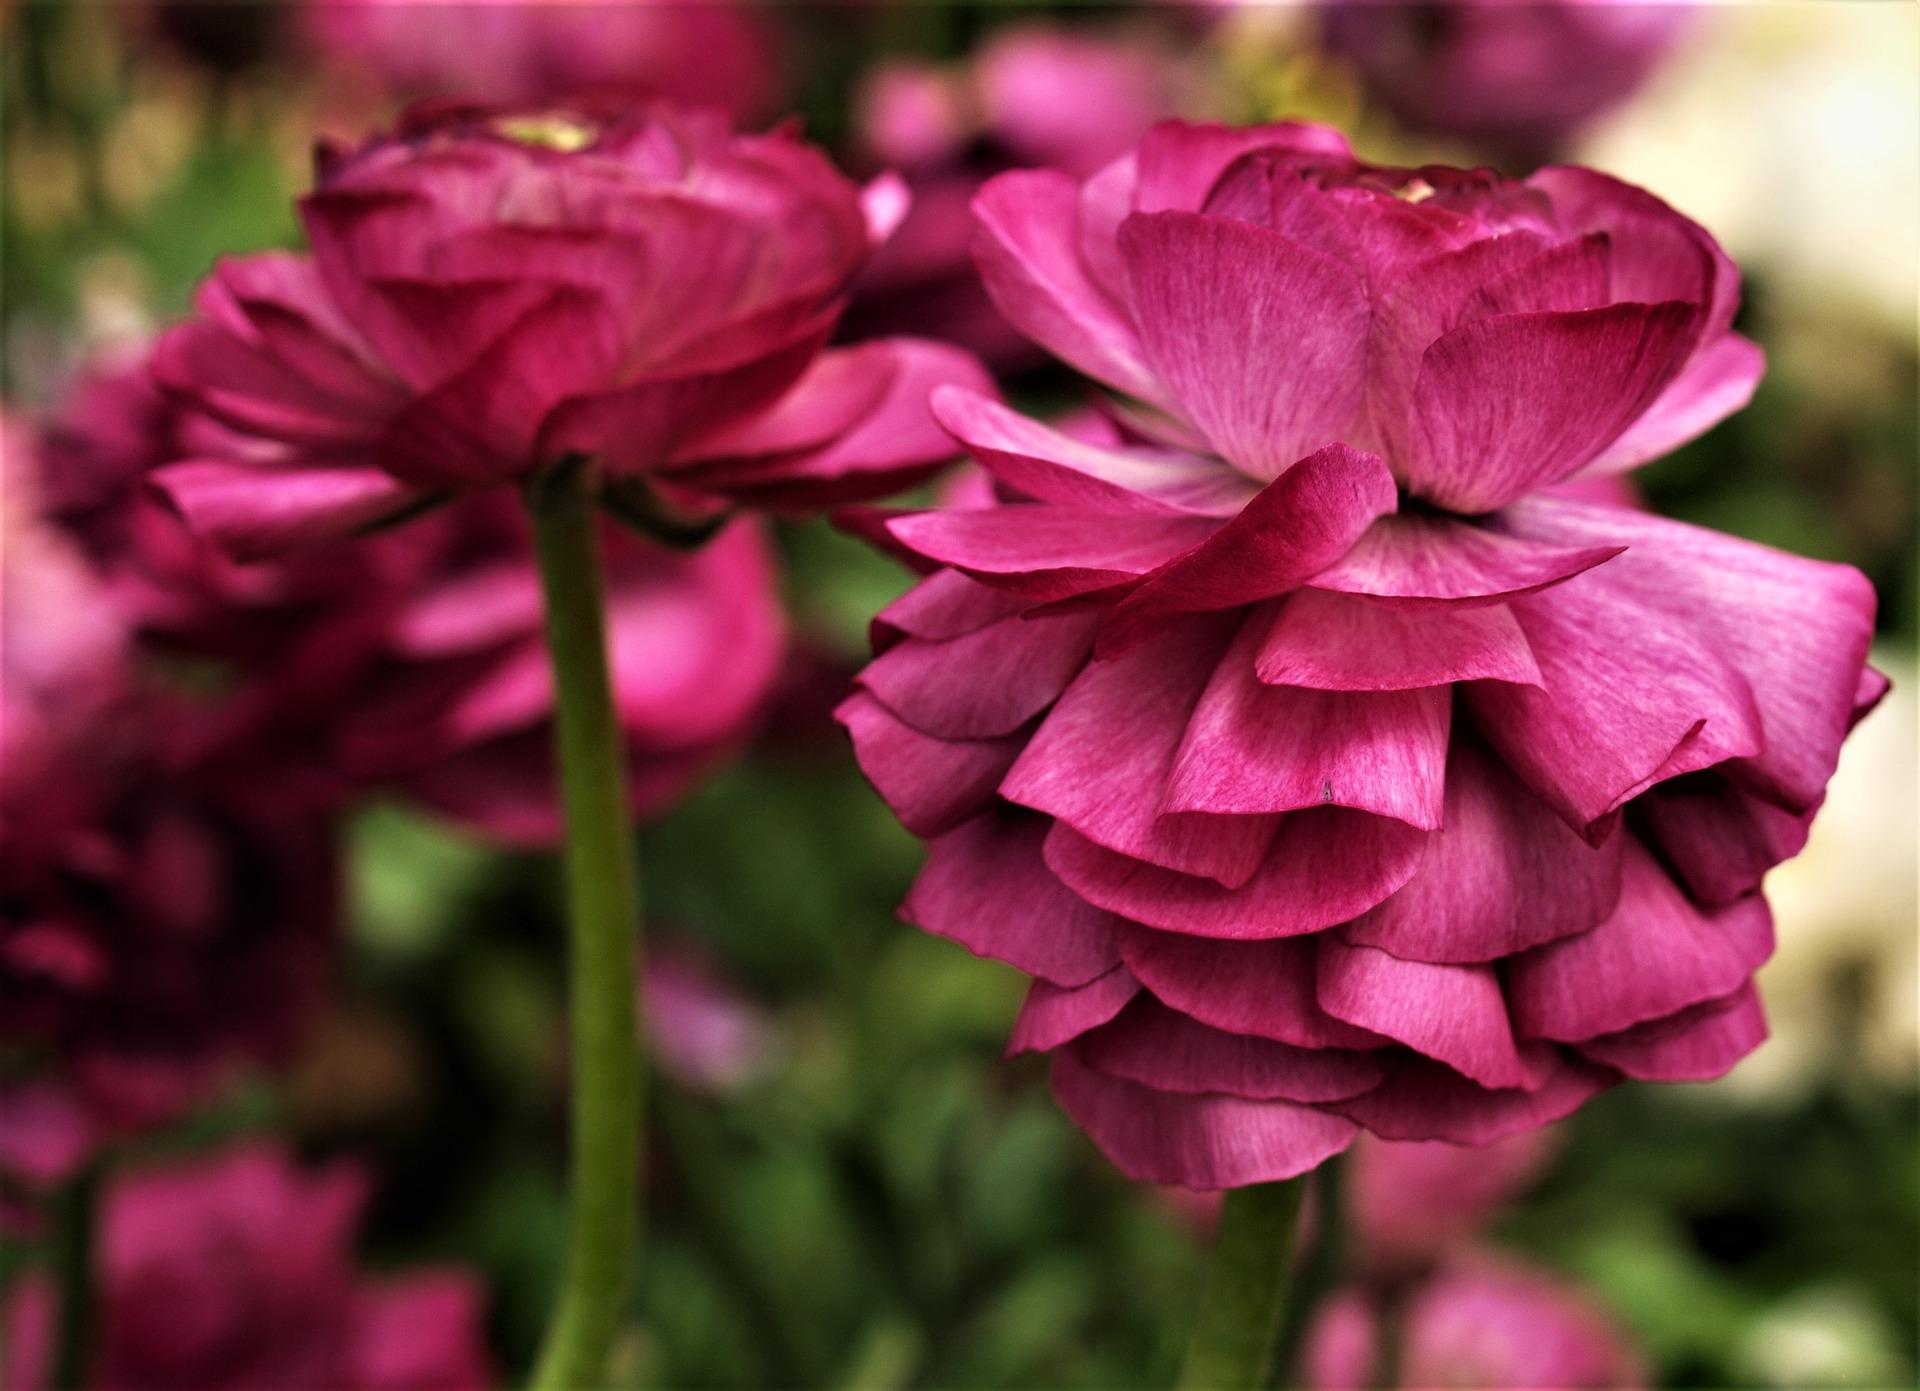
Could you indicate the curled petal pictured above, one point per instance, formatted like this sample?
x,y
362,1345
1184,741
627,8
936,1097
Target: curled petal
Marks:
x,y
1695,1044
1335,642
931,784
253,513
1054,1015
1163,1049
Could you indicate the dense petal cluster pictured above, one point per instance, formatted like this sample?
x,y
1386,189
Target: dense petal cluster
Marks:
x,y
1326,765
1520,79
138,881
489,294
236,1273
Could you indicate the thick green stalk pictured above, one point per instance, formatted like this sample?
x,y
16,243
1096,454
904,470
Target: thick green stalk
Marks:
x,y
77,1211
603,929
1234,1337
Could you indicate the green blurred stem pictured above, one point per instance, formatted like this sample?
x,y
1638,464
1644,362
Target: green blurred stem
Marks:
x,y
1320,1266
1238,1328
603,929
73,1237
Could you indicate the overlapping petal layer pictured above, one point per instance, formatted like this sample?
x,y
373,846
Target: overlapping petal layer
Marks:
x,y
1328,765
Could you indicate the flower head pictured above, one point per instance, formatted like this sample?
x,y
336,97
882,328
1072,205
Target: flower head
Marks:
x,y
237,1272
490,293
1326,766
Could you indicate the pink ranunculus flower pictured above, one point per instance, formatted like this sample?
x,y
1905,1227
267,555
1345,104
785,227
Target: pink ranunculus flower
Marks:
x,y
1034,94
456,707
707,1035
1479,1323
236,1273
1520,79
1327,767
489,294
716,53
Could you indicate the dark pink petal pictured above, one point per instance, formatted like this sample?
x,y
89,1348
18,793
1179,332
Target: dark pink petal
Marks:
x,y
1425,1100
1797,630
1053,1014
1251,748
1571,276
1025,246
1629,695
1039,462
931,784
1717,382
1719,839
1261,341
1656,955
1261,988
1324,867
1414,561
1178,162
1696,1044
1506,405
1502,875
986,683
1049,552
244,387
1453,1014
842,387
1100,759
1169,1052
1335,642
253,513
885,447
1196,1141
985,887
1300,523
945,605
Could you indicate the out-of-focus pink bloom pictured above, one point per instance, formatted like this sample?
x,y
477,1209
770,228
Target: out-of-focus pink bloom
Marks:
x,y
1480,1324
236,1273
705,1034
536,52
1034,94
161,923
1326,768
457,708
490,294
1521,79
1411,1202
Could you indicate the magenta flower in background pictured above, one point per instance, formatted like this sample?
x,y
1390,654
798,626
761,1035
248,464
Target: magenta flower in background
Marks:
x,y
489,294
456,707
140,879
535,52
1328,768
1480,1323
705,1033
1033,95
1411,1203
1520,79
236,1272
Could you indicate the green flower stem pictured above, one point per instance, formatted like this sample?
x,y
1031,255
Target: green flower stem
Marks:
x,y
1235,1335
1320,1267
603,915
75,1217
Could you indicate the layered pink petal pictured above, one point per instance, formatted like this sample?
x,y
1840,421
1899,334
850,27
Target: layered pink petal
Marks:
x,y
252,513
1336,642
1324,867
1251,748
1299,524
1509,404
1196,1141
1657,954
1426,1100
931,784
1260,340
1019,667
1453,1014
1261,988
1413,560
984,886
1696,1044
1719,380
1049,552
1502,875
1054,1015
945,605
1169,1052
